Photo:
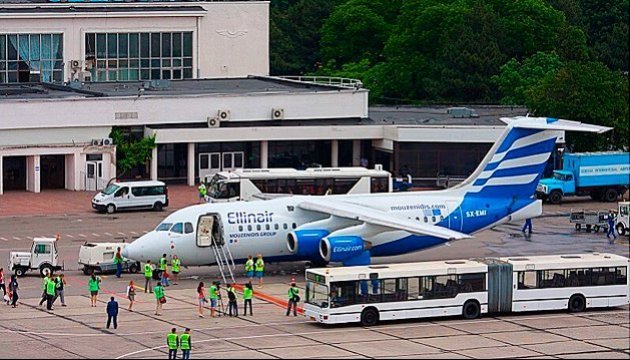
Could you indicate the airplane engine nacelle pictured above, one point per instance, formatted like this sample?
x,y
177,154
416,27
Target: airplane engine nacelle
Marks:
x,y
342,248
304,243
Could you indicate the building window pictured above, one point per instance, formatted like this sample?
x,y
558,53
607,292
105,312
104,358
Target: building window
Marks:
x,y
139,56
31,58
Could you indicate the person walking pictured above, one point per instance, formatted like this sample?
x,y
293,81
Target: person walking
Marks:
x,y
112,312
51,287
160,298
185,343
148,277
2,284
175,267
131,294
60,284
527,226
248,294
201,298
249,268
13,289
294,299
232,301
94,285
611,226
172,341
214,297
259,267
118,260
164,278
44,283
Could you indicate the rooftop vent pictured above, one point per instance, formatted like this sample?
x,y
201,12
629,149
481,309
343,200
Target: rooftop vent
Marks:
x,y
462,112
157,84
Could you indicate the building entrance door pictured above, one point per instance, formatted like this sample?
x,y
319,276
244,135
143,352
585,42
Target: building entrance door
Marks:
x,y
232,160
209,164
94,176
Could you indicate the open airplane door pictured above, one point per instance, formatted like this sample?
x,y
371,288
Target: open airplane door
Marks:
x,y
209,230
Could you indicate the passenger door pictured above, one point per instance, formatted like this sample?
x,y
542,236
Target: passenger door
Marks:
x,y
122,198
455,217
41,253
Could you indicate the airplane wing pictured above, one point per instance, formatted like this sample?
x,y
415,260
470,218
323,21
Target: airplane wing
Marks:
x,y
378,218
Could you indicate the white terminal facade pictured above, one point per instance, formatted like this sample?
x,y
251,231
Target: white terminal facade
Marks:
x,y
196,76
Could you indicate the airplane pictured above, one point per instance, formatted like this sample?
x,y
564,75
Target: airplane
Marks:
x,y
351,229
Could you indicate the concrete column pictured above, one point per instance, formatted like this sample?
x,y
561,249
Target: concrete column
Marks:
x,y
154,163
33,174
334,153
264,154
191,164
1,176
356,152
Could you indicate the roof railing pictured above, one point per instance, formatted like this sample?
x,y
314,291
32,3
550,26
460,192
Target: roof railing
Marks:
x,y
326,80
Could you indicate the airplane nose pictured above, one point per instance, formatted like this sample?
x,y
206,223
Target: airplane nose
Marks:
x,y
125,252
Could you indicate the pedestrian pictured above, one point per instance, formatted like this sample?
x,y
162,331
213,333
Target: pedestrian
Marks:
x,y
162,264
148,277
611,225
2,284
60,284
118,260
51,287
232,301
527,226
249,268
175,266
131,294
201,298
112,312
44,283
185,343
160,298
94,285
165,277
13,289
172,341
214,297
259,267
202,192
248,294
294,299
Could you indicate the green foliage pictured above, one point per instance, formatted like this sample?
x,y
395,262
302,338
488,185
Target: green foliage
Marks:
x,y
131,153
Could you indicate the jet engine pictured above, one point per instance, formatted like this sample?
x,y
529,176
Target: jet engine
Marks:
x,y
304,243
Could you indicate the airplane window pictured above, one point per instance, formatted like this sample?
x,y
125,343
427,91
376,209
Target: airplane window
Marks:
x,y
249,228
258,227
285,226
188,228
164,227
417,218
276,226
240,228
294,225
433,218
267,227
426,219
178,228
441,217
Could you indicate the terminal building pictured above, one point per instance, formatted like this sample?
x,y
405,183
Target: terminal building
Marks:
x,y
195,74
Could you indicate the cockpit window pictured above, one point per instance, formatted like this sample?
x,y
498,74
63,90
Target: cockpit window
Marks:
x,y
178,228
189,228
164,227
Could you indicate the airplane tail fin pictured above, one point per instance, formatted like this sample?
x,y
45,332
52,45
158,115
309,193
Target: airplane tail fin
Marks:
x,y
515,163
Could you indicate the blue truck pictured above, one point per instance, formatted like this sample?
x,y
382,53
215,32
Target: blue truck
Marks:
x,y
602,175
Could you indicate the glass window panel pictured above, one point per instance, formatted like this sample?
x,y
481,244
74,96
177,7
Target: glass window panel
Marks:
x,y
101,45
12,53
155,74
3,65
166,45
166,74
59,65
3,77
34,53
112,46
144,74
101,64
12,65
47,52
177,44
123,64
187,44
122,75
155,44
144,45
123,45
112,64
134,50
58,42
12,76
144,63
111,75
177,74
155,63
58,76
188,73
3,47
188,62
166,63
133,74
23,47
134,64
177,62
90,44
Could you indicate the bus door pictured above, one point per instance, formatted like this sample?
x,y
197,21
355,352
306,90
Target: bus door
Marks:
x,y
209,164
499,286
456,218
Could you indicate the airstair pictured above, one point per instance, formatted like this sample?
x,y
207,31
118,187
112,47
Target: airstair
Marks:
x,y
225,261
210,233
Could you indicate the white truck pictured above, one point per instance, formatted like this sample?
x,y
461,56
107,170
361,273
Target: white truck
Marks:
x,y
623,218
100,257
42,257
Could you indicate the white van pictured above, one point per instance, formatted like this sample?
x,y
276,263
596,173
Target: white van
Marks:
x,y
132,195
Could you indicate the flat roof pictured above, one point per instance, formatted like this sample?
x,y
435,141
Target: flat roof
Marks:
x,y
438,115
98,9
113,2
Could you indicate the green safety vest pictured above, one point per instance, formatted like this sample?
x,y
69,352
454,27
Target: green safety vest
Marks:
x,y
260,265
50,287
184,341
293,291
213,292
203,190
248,293
249,265
171,340
93,284
159,292
44,283
175,264
163,264
148,271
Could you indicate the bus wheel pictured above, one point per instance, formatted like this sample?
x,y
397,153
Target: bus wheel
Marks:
x,y
471,310
369,317
577,303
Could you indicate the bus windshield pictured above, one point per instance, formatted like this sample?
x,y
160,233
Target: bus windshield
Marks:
x,y
317,294
111,189
213,185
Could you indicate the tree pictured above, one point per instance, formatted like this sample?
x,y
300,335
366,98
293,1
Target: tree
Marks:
x,y
131,153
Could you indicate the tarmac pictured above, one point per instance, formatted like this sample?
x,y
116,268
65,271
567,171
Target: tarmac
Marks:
x,y
78,331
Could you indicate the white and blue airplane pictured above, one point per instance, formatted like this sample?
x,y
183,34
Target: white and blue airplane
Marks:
x,y
351,229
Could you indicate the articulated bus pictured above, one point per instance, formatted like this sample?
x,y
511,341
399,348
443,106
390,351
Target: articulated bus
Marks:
x,y
469,288
253,184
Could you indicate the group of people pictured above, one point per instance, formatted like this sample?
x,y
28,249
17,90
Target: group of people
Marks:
x,y
10,293
52,289
217,302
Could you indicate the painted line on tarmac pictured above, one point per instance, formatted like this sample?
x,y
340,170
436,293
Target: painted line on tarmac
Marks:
x,y
70,236
133,233
82,235
29,237
122,233
3,239
108,234
16,238
95,234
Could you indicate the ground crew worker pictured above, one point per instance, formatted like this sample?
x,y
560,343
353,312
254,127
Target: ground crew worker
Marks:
x,y
118,260
51,287
214,297
162,265
259,267
175,265
160,298
248,294
294,299
148,277
94,285
232,303
527,226
60,283
185,343
172,341
611,225
44,283
249,268
203,192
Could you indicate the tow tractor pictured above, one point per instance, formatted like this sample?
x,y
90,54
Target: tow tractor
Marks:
x,y
43,257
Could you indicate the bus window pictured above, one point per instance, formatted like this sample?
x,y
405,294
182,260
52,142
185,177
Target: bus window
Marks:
x,y
261,185
379,185
526,280
471,282
343,294
413,288
234,189
343,186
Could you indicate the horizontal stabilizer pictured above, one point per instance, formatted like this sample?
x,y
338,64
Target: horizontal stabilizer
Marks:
x,y
541,123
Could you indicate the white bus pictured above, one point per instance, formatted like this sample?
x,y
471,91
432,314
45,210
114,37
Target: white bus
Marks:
x,y
252,184
369,294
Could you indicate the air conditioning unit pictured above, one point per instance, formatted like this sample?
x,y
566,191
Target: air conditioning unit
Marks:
x,y
85,76
75,64
214,122
97,142
108,142
223,115
277,114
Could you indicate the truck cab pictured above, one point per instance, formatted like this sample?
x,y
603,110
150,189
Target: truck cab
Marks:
x,y
554,188
42,257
